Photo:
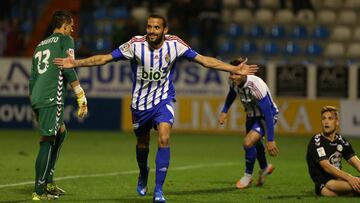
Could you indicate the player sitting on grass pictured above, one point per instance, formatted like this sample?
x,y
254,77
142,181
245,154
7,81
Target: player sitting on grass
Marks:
x,y
261,117
324,154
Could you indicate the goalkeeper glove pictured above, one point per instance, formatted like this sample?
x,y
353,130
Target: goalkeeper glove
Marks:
x,y
81,101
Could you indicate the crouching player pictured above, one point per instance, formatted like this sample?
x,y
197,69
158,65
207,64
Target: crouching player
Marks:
x,y
324,154
261,117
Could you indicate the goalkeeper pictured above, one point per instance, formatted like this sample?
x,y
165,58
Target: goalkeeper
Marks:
x,y
47,87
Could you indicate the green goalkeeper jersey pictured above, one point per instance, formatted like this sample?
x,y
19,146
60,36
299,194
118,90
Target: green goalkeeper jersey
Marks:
x,y
47,83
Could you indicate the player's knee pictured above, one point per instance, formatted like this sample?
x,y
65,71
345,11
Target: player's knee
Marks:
x,y
247,143
143,141
327,192
163,141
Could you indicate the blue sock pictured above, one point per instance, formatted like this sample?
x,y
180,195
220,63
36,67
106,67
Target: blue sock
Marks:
x,y
162,165
142,160
250,156
261,157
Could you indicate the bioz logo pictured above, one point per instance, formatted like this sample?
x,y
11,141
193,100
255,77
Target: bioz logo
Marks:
x,y
152,75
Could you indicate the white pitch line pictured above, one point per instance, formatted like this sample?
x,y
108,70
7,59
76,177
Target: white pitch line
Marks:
x,y
181,168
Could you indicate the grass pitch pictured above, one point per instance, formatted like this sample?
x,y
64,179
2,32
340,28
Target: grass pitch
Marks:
x,y
101,167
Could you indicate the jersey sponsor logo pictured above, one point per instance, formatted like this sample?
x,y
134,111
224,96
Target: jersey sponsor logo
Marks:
x,y
339,147
152,75
321,151
335,160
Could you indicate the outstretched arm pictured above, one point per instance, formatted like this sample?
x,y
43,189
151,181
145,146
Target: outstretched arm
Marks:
x,y
355,162
210,62
90,61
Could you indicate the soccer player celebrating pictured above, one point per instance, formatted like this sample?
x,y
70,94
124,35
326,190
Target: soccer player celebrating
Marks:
x,y
324,154
47,94
152,58
261,117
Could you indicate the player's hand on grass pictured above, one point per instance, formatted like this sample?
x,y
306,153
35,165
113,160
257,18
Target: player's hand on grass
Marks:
x,y
68,62
355,184
246,69
222,118
82,104
272,148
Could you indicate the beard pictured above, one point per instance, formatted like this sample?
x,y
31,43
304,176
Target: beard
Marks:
x,y
157,41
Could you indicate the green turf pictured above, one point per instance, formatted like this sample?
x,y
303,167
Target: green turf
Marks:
x,y
101,167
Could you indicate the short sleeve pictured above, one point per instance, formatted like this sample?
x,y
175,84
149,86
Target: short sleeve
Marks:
x,y
124,51
316,150
182,48
348,151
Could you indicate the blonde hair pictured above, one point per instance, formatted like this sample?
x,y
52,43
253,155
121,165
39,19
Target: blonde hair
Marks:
x,y
331,109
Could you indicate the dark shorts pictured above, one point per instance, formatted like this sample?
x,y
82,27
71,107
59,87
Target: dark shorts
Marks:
x,y
320,184
256,124
49,119
144,121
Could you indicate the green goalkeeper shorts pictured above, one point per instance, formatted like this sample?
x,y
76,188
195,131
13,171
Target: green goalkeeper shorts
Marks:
x,y
50,119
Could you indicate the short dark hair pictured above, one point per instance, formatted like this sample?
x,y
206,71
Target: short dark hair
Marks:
x,y
331,109
236,62
159,17
59,18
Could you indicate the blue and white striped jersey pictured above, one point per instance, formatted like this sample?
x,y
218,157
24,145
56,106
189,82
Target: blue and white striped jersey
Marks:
x,y
152,69
254,90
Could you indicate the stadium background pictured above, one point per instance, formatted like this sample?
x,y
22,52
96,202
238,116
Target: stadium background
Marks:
x,y
308,52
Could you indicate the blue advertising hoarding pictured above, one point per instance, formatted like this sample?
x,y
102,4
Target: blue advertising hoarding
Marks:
x,y
104,114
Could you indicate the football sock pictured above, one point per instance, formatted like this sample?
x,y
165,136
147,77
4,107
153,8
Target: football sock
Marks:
x,y
142,159
250,157
261,157
59,139
42,166
162,165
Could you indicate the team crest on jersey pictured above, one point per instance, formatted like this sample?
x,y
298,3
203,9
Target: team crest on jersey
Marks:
x,y
167,58
125,47
339,147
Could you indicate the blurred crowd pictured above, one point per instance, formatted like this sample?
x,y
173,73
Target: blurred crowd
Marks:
x,y
105,24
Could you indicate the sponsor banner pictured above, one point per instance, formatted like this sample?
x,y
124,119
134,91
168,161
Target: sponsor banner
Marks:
x,y
332,81
114,80
297,116
291,80
350,118
104,114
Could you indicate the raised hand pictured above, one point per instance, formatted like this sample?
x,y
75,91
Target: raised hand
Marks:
x,y
246,69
